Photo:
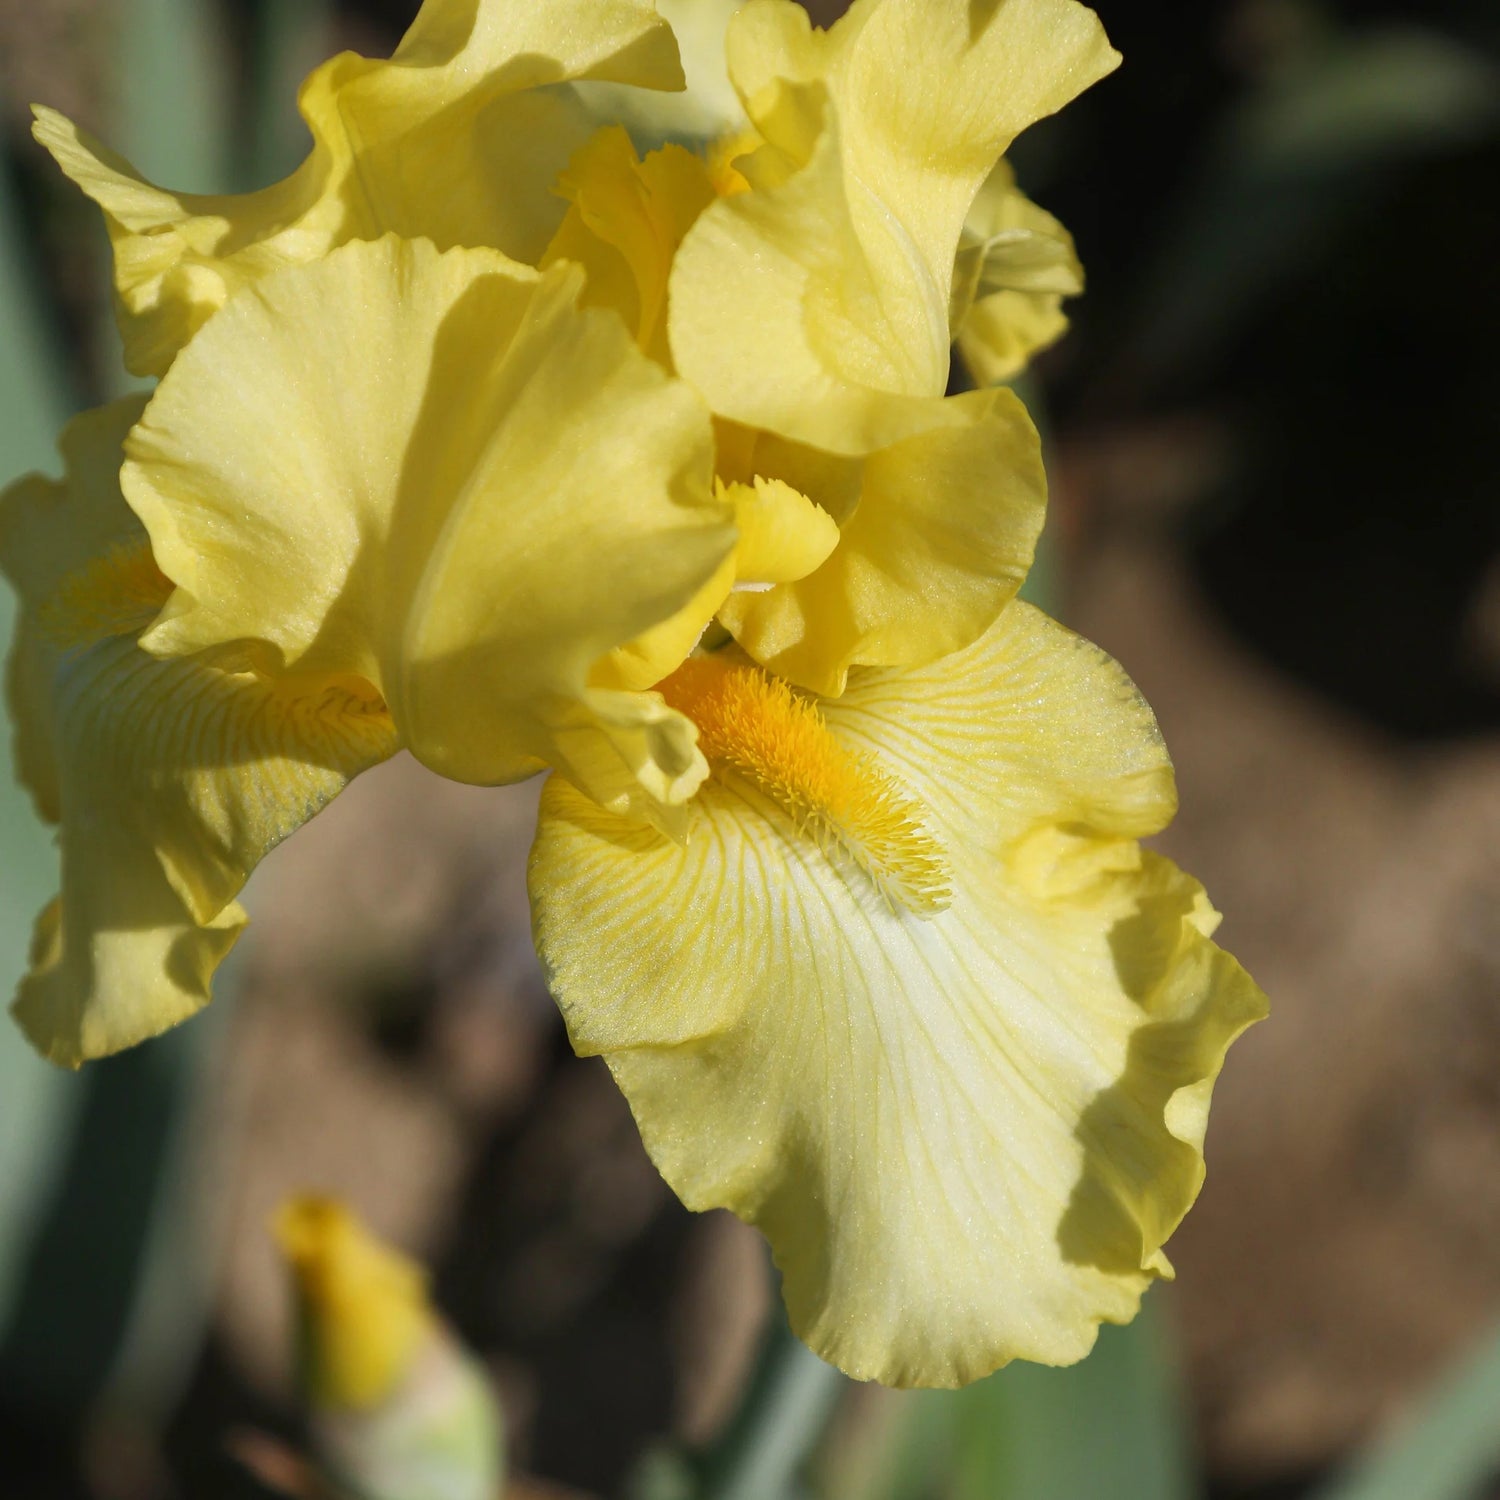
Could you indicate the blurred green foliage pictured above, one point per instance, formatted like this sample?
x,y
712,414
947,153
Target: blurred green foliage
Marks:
x,y
104,1249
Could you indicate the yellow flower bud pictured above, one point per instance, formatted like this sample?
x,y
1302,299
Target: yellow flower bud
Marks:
x,y
363,1306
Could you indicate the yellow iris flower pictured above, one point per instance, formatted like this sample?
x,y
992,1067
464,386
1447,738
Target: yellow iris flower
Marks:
x,y
854,906
910,996
830,287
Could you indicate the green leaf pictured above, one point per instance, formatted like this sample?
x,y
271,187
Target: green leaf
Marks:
x,y
1109,1426
35,1099
1449,1449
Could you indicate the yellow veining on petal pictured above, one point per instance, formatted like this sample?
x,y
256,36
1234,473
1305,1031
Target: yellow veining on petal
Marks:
x,y
754,725
116,594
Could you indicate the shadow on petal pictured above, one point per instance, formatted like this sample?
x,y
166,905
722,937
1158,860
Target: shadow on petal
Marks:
x,y
1143,1135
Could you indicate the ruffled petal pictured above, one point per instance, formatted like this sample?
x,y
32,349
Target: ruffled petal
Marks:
x,y
459,138
938,531
784,535
1015,265
806,305
628,217
434,473
170,780
966,1128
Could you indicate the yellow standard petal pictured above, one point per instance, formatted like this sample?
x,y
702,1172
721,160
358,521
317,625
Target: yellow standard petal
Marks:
x,y
169,779
1015,265
627,218
936,532
911,997
806,305
706,110
459,137
431,472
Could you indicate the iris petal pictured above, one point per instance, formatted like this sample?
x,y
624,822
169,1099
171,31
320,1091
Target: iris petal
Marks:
x,y
807,305
1015,265
434,473
459,137
170,780
967,1133
938,529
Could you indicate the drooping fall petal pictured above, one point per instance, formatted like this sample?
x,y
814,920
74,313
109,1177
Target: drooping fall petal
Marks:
x,y
911,998
169,779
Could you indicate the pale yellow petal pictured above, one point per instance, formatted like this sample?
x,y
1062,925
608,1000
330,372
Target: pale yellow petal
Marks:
x,y
966,1131
777,317
1015,265
627,219
938,534
39,559
804,306
618,746
433,473
651,655
784,536
706,109
170,780
458,138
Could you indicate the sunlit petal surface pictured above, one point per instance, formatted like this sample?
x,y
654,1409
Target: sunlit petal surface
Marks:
x,y
809,304
459,137
911,997
431,472
169,779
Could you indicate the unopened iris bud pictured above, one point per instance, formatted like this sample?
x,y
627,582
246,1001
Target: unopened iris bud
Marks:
x,y
400,1411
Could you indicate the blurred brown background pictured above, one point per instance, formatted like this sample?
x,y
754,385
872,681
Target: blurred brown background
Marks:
x,y
1274,474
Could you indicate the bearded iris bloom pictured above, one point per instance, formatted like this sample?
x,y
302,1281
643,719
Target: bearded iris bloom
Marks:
x,y
815,253
841,868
